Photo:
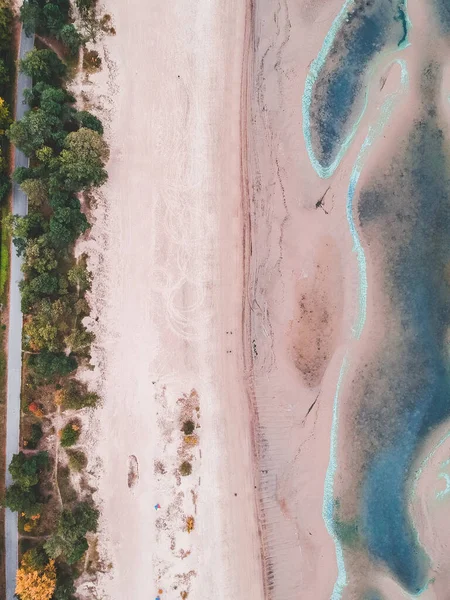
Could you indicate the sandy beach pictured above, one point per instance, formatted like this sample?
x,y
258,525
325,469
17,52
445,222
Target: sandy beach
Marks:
x,y
243,286
166,250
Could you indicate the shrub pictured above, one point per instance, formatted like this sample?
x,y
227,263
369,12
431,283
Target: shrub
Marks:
x,y
188,427
69,434
22,500
49,366
69,538
91,61
25,469
43,65
35,437
75,396
185,468
77,460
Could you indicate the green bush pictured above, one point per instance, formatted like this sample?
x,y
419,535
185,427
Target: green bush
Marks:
x,y
185,468
49,366
43,65
25,469
69,434
74,396
69,539
77,460
188,427
35,436
22,500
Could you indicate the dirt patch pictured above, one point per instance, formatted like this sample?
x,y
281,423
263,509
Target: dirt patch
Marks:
x,y
314,329
133,471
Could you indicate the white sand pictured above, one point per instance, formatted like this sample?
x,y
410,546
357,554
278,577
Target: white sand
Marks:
x,y
166,250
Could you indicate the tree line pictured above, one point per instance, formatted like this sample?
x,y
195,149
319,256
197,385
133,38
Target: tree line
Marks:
x,y
67,155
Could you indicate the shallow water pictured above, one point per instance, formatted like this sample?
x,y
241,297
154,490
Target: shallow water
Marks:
x,y
367,29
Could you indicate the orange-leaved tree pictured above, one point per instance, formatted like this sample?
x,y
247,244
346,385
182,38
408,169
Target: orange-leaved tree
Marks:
x,y
35,582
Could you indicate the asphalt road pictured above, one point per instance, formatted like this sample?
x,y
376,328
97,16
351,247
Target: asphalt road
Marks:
x,y
19,207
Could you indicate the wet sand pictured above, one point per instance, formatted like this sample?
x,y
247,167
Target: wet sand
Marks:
x,y
323,312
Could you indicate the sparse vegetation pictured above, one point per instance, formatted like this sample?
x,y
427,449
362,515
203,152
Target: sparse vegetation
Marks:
x,y
77,460
74,395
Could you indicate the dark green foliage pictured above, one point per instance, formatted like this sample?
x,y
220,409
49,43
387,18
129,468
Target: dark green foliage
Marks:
x,y
65,588
21,496
36,129
49,366
43,66
69,540
70,37
36,558
44,16
35,437
89,121
32,290
188,427
21,174
81,163
75,396
84,6
25,469
54,18
23,500
31,17
6,26
5,186
66,224
69,434
5,76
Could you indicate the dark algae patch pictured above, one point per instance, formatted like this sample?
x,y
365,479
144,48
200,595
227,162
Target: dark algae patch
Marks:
x,y
368,28
403,391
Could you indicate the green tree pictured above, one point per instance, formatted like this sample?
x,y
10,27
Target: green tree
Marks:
x,y
5,76
25,469
26,228
80,277
89,121
69,434
36,191
54,18
39,255
45,329
31,17
71,38
43,65
6,25
34,559
23,500
75,395
33,131
81,163
49,366
66,224
79,340
69,539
